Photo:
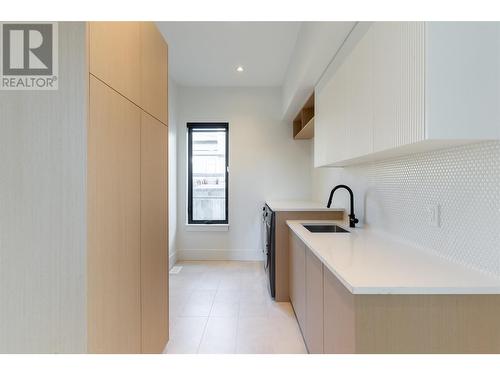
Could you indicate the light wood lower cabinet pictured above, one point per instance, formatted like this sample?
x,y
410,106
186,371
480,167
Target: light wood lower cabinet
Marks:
x,y
154,248
306,293
298,279
314,303
338,312
427,323
127,226
113,265
282,245
335,321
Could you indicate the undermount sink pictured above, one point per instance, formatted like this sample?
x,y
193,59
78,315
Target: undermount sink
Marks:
x,y
324,228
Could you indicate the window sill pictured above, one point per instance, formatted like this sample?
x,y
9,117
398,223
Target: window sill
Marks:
x,y
207,227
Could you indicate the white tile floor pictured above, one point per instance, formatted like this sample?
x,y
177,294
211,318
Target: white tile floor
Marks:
x,y
224,307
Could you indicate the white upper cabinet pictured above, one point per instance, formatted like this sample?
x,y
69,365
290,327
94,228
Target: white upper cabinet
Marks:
x,y
359,99
402,87
398,84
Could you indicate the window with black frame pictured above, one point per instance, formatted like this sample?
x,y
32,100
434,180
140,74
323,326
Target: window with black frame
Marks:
x,y
208,173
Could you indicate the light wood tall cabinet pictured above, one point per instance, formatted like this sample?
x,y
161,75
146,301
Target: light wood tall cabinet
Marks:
x,y
115,56
114,225
127,261
87,271
154,213
154,56
131,57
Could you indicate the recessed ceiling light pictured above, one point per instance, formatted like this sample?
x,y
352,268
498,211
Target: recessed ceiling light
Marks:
x,y
239,69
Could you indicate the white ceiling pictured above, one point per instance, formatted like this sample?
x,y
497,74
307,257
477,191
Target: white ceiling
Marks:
x,y
207,53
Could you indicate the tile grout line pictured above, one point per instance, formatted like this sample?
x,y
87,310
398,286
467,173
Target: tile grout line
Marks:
x,y
238,318
206,323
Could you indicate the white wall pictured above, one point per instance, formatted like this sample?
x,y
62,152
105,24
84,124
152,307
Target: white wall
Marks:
x,y
42,209
172,171
392,196
265,163
317,44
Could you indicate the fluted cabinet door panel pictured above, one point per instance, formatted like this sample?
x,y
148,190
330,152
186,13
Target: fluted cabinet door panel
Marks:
x,y
154,225
323,123
113,184
359,101
330,119
340,106
398,58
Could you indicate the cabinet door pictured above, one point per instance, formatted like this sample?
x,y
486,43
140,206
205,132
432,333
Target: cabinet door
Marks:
x,y
154,248
314,303
330,125
343,119
115,56
338,313
113,183
398,84
359,100
298,279
154,63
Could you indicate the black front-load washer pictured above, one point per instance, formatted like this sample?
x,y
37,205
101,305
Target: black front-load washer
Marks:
x,y
269,220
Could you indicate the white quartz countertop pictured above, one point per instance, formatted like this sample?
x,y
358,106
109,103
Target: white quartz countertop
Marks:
x,y
369,262
299,206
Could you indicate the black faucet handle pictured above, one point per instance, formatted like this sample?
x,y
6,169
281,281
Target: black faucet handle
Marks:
x,y
353,221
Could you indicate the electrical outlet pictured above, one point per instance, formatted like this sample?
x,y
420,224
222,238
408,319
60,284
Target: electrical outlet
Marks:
x,y
433,215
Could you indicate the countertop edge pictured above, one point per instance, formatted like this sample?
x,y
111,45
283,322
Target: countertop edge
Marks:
x,y
298,206
384,290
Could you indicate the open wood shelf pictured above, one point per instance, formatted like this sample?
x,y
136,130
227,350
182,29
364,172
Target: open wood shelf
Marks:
x,y
303,124
307,132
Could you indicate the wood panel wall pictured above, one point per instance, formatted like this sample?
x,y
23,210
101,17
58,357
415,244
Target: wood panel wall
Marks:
x,y
42,209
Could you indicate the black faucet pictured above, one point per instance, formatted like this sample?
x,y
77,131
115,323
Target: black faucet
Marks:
x,y
352,218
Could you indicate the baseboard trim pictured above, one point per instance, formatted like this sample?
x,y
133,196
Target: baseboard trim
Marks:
x,y
172,259
214,254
